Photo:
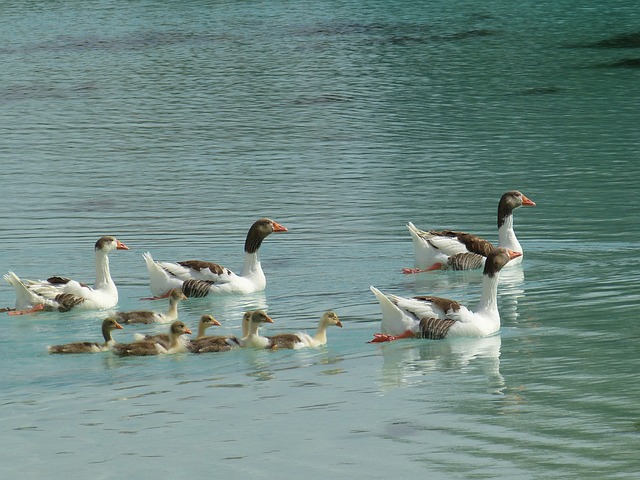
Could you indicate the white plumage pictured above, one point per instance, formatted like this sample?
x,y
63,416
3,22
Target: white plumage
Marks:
x,y
437,318
63,294
199,278
446,249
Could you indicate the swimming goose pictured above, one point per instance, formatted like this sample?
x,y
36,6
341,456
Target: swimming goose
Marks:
x,y
156,346
437,318
212,343
200,278
108,325
253,338
446,249
63,294
303,339
147,317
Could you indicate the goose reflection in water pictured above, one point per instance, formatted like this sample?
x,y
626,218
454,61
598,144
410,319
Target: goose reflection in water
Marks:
x,y
408,363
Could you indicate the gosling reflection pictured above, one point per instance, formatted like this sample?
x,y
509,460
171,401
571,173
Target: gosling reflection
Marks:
x,y
407,363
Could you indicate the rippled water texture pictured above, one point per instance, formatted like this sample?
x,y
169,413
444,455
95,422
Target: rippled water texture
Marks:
x,y
175,125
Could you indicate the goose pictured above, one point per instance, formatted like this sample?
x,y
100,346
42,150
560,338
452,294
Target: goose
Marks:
x,y
253,339
212,343
108,325
147,317
437,318
200,278
303,339
156,346
63,294
449,250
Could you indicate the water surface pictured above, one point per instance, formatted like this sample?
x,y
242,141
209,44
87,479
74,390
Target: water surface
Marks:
x,y
174,127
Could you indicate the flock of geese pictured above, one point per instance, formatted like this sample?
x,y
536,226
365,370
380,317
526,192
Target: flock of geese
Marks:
x,y
418,317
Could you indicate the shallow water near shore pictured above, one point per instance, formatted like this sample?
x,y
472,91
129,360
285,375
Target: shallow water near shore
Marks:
x,y
175,126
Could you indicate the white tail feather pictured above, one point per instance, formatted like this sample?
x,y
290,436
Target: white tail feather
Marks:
x,y
24,297
159,280
394,320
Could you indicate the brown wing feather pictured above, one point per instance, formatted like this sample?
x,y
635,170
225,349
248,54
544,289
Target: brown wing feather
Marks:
x,y
466,261
444,303
435,328
473,243
196,288
77,347
55,280
283,340
202,265
136,316
211,344
66,301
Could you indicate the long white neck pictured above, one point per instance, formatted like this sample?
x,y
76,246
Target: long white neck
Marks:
x,y
252,269
507,236
320,336
245,327
174,340
202,328
103,275
253,328
172,311
489,299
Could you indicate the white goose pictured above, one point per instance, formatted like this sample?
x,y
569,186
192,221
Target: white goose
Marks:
x,y
446,249
437,318
63,294
303,339
200,278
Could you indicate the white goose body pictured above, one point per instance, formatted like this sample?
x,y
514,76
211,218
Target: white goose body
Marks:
x,y
446,249
199,278
437,318
63,294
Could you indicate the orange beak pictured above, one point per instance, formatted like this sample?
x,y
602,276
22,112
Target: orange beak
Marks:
x,y
279,228
121,246
216,323
187,331
119,327
339,324
269,319
513,254
527,203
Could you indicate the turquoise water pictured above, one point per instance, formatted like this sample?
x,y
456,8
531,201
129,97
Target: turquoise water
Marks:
x,y
174,125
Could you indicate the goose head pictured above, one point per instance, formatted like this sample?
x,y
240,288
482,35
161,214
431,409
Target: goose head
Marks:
x,y
179,328
176,294
330,318
498,259
260,230
108,243
260,316
109,324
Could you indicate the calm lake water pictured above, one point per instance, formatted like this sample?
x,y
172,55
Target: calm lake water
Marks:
x,y
175,125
